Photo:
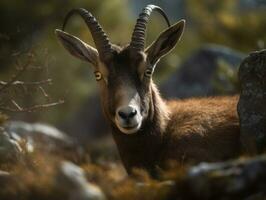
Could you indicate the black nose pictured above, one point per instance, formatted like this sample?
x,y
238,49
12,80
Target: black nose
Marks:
x,y
127,113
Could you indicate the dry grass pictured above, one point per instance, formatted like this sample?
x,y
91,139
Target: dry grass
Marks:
x,y
34,177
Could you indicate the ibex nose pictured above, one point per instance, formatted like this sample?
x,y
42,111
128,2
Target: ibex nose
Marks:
x,y
127,113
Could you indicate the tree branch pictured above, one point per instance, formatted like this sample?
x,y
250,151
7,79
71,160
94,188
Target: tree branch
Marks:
x,y
32,108
15,83
15,77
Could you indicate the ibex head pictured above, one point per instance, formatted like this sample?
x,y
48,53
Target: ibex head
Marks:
x,y
124,74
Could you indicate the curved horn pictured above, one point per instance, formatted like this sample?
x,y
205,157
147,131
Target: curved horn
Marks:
x,y
138,36
100,38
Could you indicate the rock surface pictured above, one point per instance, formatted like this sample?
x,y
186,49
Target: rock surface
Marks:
x,y
236,179
33,133
251,106
72,180
4,176
10,150
210,70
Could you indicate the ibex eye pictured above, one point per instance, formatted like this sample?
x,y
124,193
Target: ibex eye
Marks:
x,y
148,72
98,75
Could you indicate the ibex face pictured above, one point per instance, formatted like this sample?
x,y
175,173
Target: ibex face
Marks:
x,y
125,94
124,74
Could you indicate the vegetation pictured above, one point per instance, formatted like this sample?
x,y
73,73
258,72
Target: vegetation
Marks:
x,y
35,177
228,23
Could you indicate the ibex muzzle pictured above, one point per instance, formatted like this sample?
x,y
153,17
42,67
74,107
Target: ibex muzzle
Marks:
x,y
128,116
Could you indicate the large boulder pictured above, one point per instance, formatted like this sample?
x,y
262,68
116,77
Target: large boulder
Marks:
x,y
72,181
5,177
236,179
210,70
251,106
38,135
254,4
10,149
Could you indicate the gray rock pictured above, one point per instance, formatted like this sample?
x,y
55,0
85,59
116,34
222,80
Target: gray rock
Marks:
x,y
252,4
24,128
71,179
4,173
236,179
211,70
251,106
10,150
5,177
32,133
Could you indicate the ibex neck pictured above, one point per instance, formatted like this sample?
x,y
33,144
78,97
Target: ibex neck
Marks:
x,y
160,110
142,148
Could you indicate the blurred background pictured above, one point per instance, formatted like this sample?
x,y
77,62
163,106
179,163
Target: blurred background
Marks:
x,y
218,35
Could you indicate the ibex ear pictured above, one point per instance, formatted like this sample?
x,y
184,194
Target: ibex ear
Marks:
x,y
77,47
165,42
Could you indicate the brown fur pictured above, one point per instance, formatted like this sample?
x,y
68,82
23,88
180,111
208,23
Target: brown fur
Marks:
x,y
195,130
203,129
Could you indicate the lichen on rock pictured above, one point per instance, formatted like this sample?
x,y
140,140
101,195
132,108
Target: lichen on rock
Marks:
x,y
251,106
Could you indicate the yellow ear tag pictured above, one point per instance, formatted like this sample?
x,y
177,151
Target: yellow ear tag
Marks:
x,y
98,75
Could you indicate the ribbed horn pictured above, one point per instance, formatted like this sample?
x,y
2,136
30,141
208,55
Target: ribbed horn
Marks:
x,y
139,33
100,38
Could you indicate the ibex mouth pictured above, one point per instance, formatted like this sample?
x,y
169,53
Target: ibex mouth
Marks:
x,y
129,129
128,118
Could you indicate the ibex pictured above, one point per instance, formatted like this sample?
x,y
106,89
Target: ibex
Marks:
x,y
148,130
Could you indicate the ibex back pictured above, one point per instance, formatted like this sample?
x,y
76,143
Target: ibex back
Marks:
x,y
148,130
